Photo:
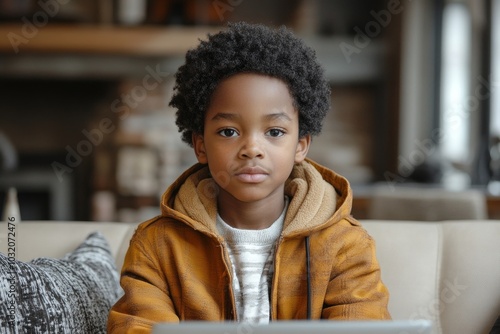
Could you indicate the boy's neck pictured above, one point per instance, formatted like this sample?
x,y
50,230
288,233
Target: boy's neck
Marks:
x,y
250,216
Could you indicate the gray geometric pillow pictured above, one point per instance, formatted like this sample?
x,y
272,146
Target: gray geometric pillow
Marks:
x,y
69,295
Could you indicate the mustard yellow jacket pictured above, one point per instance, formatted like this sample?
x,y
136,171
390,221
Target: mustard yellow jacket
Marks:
x,y
177,267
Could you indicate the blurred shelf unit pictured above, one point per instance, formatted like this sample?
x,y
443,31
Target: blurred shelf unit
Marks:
x,y
90,50
142,41
135,163
93,51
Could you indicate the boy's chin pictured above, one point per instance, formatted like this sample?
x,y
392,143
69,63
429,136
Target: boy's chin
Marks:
x,y
248,196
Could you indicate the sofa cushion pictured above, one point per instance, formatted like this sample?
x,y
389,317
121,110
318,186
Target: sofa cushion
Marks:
x,y
446,272
68,295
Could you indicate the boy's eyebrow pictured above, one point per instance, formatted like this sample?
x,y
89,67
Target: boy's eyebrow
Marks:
x,y
230,116
278,115
221,115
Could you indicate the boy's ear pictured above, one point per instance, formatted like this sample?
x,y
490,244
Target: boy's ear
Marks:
x,y
302,148
199,148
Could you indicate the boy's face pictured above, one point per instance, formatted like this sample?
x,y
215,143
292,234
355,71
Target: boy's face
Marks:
x,y
251,137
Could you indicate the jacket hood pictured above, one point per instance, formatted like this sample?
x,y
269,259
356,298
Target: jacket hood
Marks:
x,y
318,198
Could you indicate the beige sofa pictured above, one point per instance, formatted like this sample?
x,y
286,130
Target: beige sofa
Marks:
x,y
448,272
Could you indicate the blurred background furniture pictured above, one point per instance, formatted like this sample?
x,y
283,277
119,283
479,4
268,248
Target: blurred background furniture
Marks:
x,y
75,103
426,204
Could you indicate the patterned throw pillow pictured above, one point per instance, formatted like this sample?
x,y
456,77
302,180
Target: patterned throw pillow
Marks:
x,y
69,295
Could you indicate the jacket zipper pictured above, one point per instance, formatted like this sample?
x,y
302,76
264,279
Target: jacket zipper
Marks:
x,y
229,272
273,282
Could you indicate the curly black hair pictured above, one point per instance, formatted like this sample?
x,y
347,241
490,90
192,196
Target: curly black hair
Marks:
x,y
250,48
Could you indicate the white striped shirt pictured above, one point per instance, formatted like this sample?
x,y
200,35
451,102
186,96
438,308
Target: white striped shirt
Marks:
x,y
252,253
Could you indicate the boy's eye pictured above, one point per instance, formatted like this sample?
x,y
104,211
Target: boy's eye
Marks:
x,y
228,132
275,133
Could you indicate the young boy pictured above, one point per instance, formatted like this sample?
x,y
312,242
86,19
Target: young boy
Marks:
x,y
255,232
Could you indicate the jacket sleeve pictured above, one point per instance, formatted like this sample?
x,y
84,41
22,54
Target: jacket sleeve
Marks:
x,y
146,298
355,290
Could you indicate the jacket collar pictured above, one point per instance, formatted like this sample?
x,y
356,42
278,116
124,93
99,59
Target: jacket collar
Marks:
x,y
319,198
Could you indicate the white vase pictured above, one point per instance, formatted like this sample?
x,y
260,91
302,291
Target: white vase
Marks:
x,y
131,12
9,229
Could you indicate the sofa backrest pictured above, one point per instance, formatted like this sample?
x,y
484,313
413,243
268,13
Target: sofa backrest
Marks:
x,y
447,272
421,203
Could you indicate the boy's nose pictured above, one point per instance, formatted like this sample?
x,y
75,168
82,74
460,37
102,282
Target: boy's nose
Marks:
x,y
251,149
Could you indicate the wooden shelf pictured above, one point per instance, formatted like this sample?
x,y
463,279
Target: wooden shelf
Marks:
x,y
101,40
91,50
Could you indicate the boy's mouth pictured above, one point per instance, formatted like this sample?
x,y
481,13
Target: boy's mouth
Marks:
x,y
251,174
